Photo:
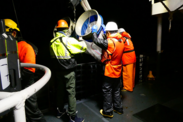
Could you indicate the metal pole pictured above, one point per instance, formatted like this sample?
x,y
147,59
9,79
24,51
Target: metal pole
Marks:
x,y
159,33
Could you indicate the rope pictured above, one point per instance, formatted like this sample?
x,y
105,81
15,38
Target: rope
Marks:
x,y
16,17
75,14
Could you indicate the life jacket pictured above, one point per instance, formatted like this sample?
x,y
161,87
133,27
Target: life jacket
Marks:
x,y
129,55
125,34
113,65
26,54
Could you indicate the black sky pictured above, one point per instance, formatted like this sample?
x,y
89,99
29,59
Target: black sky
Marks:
x,y
37,19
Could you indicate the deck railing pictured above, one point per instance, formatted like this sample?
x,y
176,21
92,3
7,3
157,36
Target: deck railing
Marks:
x,y
16,100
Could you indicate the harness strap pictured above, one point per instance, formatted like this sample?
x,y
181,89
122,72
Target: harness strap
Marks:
x,y
112,52
128,51
125,39
12,52
62,57
65,46
114,47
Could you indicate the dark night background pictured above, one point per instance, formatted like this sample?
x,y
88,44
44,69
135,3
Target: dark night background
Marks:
x,y
37,19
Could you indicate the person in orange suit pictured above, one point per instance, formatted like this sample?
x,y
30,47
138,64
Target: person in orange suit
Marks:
x,y
111,58
129,62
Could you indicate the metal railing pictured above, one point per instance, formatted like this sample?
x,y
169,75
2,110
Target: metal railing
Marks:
x,y
17,99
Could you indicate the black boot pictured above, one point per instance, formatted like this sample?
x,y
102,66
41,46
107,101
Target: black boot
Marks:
x,y
75,119
118,110
106,114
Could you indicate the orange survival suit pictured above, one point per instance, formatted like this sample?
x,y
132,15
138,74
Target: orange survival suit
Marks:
x,y
112,65
129,63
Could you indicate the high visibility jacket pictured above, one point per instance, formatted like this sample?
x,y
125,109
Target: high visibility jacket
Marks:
x,y
26,54
129,55
125,34
114,45
63,48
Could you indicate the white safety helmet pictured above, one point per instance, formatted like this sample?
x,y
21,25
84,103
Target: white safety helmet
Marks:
x,y
121,30
111,26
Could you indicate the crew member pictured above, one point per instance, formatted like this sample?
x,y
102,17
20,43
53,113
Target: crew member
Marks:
x,y
62,50
112,50
26,55
129,62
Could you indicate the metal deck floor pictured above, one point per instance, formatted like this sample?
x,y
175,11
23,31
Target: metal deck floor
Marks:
x,y
145,95
165,92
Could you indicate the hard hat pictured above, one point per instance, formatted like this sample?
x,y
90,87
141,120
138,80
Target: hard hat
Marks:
x,y
62,24
121,30
10,24
111,26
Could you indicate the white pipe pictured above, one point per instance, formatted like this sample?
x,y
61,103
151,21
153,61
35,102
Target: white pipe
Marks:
x,y
19,114
85,5
18,97
152,1
6,94
159,33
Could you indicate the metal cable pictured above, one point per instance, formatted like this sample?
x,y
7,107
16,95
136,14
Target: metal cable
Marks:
x,y
16,17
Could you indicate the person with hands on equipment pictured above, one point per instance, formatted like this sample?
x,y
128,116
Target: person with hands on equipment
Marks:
x,y
63,50
112,50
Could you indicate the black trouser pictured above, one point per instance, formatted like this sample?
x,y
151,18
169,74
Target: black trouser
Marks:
x,y
33,113
111,94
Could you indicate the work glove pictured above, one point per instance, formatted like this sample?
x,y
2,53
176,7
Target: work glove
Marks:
x,y
80,38
103,27
94,29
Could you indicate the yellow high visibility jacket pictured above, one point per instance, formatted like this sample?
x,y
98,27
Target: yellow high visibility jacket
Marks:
x,y
63,48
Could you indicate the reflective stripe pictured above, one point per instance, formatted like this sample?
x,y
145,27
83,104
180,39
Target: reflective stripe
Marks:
x,y
127,42
66,51
115,39
63,57
62,33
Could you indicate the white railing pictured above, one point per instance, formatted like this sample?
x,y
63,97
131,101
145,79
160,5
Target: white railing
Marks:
x,y
17,99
